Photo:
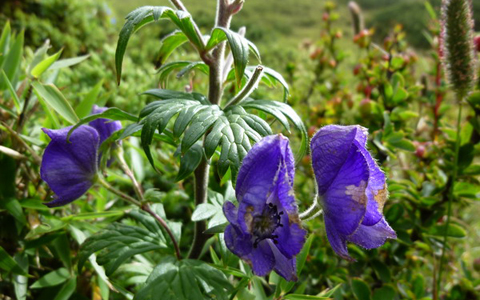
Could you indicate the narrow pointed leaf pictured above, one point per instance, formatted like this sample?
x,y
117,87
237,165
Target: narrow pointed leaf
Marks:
x,y
55,99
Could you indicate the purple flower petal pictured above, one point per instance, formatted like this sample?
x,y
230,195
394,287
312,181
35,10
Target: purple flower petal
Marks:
x,y
105,127
262,259
285,267
370,237
336,239
70,169
238,242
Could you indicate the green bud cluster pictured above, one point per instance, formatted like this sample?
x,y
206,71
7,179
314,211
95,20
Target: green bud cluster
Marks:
x,y
457,48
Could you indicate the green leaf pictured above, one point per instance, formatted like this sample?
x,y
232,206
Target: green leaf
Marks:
x,y
111,113
148,14
4,41
329,292
20,282
52,279
94,215
117,243
382,270
404,144
217,229
68,62
55,99
274,77
418,286
85,107
169,44
238,45
190,161
194,65
199,125
454,230
386,292
282,112
286,286
360,289
397,62
13,206
12,91
62,247
7,263
42,66
67,289
165,70
203,211
169,95
183,280
302,297
12,61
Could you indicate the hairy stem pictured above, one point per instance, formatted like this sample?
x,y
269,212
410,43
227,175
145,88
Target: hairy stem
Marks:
x,y
126,169
201,192
145,207
453,178
313,211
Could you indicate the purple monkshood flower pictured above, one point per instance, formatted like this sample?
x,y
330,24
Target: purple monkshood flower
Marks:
x,y
265,229
70,168
351,188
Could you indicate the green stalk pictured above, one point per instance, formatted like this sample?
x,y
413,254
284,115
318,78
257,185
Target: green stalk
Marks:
x,y
450,197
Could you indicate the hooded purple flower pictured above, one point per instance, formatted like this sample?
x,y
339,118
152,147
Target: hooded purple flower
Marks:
x,y
351,188
70,169
265,229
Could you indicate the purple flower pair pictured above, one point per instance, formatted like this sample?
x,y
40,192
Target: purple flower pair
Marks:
x,y
265,229
70,169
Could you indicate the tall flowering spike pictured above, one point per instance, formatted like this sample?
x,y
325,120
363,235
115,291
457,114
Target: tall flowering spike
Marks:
x,y
265,229
351,188
70,169
105,127
458,45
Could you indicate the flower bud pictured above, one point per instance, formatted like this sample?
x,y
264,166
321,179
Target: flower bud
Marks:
x,y
477,43
458,47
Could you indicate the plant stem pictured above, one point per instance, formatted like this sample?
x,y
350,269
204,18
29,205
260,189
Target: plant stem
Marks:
x,y
313,211
450,196
129,173
248,88
201,193
145,207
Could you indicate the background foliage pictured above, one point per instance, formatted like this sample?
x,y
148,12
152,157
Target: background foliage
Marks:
x,y
395,89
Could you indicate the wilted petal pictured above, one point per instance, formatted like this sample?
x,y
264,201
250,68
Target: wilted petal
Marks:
x,y
370,237
70,169
105,127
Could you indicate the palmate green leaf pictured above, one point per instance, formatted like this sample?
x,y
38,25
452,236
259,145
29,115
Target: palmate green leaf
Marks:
x,y
148,14
190,161
112,113
117,243
200,123
233,132
183,280
169,44
55,99
282,112
239,46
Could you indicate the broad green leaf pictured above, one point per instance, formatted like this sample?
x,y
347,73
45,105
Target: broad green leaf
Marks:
x,y
67,289
68,62
454,230
52,279
85,106
42,66
282,112
55,99
360,289
117,243
183,280
190,161
8,264
238,45
169,44
148,14
199,125
12,91
386,292
111,113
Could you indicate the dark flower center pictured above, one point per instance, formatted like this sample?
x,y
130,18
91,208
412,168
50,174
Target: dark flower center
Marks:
x,y
265,224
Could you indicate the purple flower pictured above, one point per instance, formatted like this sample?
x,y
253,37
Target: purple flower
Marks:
x,y
70,169
351,188
265,229
105,127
